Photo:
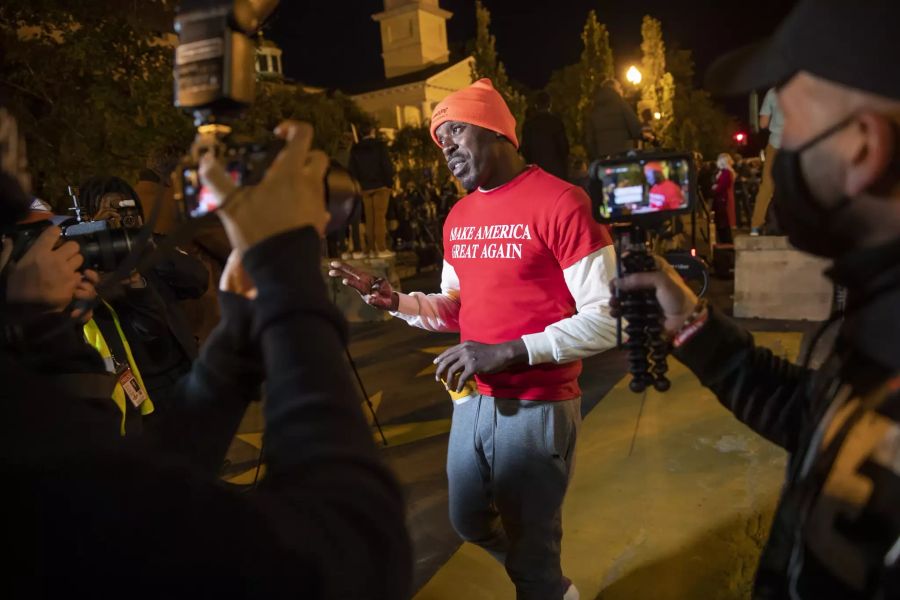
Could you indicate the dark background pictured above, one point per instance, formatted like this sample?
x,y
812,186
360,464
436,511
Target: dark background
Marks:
x,y
336,43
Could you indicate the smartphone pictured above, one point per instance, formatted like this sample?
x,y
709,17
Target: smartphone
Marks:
x,y
642,186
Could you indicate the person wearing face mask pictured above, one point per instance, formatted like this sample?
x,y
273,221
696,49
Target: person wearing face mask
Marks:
x,y
836,532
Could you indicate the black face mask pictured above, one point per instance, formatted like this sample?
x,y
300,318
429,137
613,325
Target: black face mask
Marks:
x,y
809,226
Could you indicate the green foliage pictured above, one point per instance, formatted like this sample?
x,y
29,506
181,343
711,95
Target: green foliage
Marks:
x,y
417,158
488,65
700,124
565,90
92,91
91,85
657,85
596,63
330,114
574,87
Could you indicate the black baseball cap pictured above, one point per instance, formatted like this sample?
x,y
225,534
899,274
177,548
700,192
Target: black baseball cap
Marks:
x,y
855,43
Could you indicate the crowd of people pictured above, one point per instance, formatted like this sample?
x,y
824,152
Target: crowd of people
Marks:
x,y
97,504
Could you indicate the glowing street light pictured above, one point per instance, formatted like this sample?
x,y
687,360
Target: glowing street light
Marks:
x,y
633,75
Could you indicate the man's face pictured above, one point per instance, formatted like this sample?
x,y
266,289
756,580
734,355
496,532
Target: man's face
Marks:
x,y
653,176
469,151
809,109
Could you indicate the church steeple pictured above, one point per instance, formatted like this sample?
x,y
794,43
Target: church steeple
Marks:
x,y
413,35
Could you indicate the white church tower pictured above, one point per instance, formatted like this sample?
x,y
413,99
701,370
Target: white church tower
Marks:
x,y
413,35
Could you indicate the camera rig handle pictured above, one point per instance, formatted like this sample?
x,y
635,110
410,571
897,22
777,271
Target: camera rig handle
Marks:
x,y
646,347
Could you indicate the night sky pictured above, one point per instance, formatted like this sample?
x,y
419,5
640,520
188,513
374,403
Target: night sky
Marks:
x,y
336,43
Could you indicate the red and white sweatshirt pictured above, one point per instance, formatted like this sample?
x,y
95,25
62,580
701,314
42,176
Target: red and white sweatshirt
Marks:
x,y
525,260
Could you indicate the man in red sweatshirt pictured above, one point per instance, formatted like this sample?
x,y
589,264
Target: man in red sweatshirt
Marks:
x,y
524,282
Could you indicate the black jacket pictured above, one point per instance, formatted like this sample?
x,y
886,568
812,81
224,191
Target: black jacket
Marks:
x,y
371,164
155,324
544,143
150,519
611,127
836,533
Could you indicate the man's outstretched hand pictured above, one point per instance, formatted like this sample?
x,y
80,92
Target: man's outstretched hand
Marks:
x,y
375,291
461,363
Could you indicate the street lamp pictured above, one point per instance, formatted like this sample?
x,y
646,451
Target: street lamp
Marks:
x,y
633,75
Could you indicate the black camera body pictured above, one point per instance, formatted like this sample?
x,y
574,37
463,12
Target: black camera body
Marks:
x,y
102,246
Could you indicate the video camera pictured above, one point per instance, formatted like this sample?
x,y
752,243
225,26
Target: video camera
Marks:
x,y
634,193
215,78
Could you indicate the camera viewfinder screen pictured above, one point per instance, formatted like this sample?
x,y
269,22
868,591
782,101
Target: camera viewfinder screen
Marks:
x,y
199,199
642,186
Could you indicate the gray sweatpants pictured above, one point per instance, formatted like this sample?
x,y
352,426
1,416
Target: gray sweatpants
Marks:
x,y
509,463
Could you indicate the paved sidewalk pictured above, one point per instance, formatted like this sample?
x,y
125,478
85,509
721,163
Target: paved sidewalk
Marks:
x,y
678,510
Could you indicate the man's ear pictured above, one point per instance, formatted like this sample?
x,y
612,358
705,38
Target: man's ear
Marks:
x,y
874,154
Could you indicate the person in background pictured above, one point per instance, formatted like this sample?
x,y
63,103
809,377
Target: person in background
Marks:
x,y
342,156
371,164
156,328
544,141
771,118
209,244
723,199
611,127
665,194
648,137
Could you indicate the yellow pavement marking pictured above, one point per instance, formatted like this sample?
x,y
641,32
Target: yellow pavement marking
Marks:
x,y
254,439
405,433
248,476
436,350
684,516
429,370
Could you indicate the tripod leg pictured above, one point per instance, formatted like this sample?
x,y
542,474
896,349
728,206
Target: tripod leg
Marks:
x,y
365,394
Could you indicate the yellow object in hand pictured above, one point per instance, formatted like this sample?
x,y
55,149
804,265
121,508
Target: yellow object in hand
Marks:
x,y
468,389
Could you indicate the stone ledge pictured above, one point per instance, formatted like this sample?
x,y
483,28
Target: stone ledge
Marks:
x,y
762,242
773,280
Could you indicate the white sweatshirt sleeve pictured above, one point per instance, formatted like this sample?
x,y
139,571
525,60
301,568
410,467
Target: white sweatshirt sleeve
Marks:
x,y
592,330
433,312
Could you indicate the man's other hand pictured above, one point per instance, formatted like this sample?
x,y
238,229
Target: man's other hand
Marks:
x,y
375,292
462,362
290,196
674,296
46,275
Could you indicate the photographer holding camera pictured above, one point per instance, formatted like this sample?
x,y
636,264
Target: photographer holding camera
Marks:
x,y
156,327
40,324
836,532
326,521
